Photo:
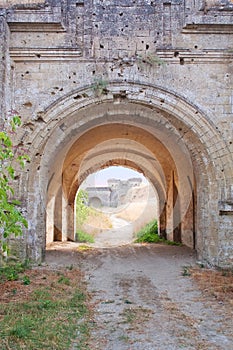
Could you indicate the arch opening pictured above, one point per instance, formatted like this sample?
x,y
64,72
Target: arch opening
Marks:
x,y
167,141
127,202
135,147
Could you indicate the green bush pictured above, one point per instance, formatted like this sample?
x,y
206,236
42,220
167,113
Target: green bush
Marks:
x,y
84,237
11,272
12,221
149,233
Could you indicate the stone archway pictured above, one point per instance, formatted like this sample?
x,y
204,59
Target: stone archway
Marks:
x,y
175,132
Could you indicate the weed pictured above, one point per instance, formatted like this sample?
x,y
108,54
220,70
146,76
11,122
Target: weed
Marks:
x,y
20,330
84,247
99,87
186,271
11,272
50,317
124,338
84,237
151,59
136,315
149,234
64,280
26,280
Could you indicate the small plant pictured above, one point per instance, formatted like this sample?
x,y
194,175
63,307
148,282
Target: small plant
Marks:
x,y
151,59
84,237
149,233
84,247
100,87
186,271
124,338
11,272
64,280
26,280
20,331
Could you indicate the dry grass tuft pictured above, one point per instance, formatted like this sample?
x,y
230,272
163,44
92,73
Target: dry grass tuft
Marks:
x,y
215,283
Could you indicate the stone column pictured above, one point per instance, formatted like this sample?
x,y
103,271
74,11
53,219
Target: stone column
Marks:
x,y
3,59
50,220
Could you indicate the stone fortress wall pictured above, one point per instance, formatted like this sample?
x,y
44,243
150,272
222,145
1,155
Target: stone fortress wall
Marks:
x,y
143,84
113,195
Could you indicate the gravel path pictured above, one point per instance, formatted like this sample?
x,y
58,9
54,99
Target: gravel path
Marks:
x,y
120,234
142,300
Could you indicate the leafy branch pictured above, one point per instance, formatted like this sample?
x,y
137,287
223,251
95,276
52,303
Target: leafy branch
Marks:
x,y
12,220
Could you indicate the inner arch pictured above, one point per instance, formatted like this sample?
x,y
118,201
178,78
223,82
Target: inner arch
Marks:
x,y
184,131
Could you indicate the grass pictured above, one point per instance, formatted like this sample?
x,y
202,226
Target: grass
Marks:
x,y
48,313
136,315
214,283
84,237
11,272
149,234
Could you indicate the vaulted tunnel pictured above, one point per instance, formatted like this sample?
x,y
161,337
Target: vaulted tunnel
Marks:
x,y
149,130
170,172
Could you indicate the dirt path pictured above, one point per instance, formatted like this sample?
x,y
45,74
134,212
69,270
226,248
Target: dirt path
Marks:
x,y
120,234
144,302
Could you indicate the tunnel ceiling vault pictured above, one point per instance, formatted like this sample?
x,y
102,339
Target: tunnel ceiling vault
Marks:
x,y
115,157
176,132
139,145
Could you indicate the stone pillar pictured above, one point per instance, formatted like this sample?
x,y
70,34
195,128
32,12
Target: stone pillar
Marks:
x,y
71,222
3,60
169,210
163,222
60,217
50,220
176,214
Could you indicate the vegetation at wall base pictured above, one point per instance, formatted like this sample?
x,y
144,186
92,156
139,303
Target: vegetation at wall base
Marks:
x,y
149,234
50,312
84,237
11,271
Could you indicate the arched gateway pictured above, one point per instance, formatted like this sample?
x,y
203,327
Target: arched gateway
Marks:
x,y
136,125
143,84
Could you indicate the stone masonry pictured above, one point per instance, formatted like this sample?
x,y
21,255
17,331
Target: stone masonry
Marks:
x,y
113,195
142,84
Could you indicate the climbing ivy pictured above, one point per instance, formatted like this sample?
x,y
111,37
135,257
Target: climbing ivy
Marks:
x,y
12,220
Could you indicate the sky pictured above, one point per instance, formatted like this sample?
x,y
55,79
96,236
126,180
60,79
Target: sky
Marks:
x,y
101,177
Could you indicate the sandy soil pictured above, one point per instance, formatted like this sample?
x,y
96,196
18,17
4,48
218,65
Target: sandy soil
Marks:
x,y
143,301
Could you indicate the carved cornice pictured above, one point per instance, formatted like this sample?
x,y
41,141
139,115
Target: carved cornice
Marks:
x,y
191,57
43,54
171,56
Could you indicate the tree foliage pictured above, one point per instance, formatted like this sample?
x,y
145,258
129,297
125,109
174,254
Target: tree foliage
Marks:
x,y
12,220
82,210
